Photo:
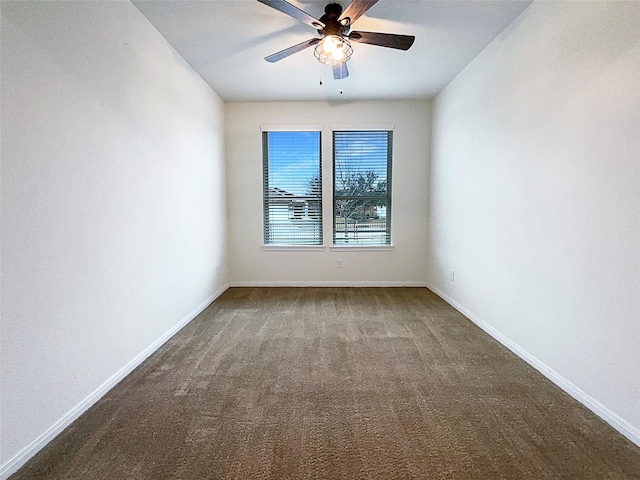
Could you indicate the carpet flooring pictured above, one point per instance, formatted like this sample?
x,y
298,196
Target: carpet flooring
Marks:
x,y
335,383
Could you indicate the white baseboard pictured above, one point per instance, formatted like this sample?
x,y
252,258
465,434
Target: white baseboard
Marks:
x,y
20,458
328,283
620,424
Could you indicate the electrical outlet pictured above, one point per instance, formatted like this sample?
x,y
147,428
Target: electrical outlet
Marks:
x,y
452,275
339,263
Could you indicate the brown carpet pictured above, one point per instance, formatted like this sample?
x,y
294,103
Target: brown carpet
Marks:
x,y
335,383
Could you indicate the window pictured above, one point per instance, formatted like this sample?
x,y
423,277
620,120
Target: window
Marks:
x,y
362,187
292,183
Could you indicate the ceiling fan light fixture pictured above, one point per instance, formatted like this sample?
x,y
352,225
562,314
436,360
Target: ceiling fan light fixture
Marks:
x,y
333,50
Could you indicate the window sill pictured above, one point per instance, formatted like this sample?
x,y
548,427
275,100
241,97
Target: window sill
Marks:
x,y
292,248
361,248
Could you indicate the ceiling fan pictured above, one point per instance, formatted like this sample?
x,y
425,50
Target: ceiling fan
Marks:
x,y
334,46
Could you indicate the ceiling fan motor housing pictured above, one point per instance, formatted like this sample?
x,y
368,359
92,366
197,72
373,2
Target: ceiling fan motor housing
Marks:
x,y
332,24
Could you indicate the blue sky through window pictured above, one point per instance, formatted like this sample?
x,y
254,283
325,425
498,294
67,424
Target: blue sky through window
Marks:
x,y
360,152
294,159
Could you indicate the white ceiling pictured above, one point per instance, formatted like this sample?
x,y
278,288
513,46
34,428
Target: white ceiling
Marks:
x,y
225,41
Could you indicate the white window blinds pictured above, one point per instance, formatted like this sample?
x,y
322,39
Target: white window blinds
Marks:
x,y
292,187
362,187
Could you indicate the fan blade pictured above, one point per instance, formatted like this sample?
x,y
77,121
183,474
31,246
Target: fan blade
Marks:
x,y
293,11
340,71
356,8
291,50
390,40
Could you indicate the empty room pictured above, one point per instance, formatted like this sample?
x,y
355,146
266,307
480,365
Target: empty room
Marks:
x,y
305,239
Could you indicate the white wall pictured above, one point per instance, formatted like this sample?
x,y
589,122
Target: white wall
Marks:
x,y
535,196
113,205
405,265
